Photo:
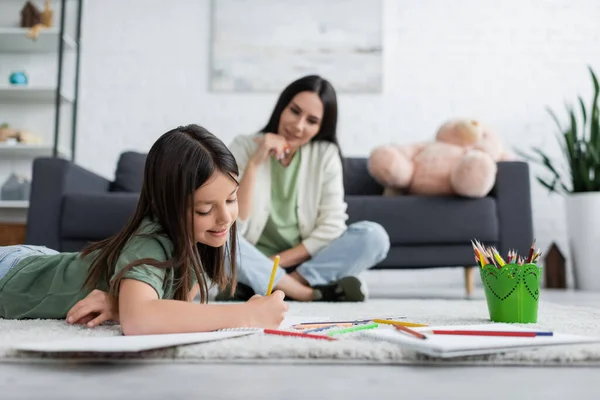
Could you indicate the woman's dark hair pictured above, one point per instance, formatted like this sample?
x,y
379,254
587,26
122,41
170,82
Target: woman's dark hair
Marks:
x,y
326,92
178,163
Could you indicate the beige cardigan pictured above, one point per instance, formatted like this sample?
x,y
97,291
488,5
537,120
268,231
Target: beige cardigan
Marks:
x,y
321,206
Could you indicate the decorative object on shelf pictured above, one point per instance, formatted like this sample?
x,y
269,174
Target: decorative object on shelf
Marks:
x,y
32,17
15,188
47,15
8,134
18,78
579,181
555,268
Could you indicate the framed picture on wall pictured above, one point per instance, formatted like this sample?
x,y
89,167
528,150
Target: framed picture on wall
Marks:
x,y
263,45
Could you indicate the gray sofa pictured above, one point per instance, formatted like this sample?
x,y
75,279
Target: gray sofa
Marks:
x,y
70,206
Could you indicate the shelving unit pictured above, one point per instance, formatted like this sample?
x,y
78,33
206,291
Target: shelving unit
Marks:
x,y
15,40
30,151
43,106
31,94
16,204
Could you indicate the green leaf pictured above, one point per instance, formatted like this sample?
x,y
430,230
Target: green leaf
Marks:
x,y
594,118
555,118
550,186
580,148
583,111
546,161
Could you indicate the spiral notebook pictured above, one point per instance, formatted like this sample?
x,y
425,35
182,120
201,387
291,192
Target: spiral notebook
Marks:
x,y
449,346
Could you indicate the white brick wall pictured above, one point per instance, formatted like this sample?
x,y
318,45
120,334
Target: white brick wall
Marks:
x,y
145,69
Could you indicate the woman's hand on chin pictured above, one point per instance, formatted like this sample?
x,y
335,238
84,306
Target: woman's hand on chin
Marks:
x,y
270,144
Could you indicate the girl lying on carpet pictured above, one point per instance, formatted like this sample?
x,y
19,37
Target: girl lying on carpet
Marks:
x,y
178,239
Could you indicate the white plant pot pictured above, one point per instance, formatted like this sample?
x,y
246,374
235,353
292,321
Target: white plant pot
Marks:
x,y
583,229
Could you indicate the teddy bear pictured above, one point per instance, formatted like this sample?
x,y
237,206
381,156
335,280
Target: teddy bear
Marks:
x,y
461,161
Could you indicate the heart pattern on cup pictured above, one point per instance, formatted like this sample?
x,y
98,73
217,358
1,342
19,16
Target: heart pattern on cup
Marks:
x,y
531,280
502,282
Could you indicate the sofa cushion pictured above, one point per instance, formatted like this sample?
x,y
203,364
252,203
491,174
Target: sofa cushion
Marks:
x,y
95,216
357,180
428,220
130,172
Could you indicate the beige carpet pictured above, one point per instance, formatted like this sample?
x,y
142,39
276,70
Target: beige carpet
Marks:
x,y
567,319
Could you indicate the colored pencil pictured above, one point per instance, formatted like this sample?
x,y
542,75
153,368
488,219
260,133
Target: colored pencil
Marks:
x,y
323,328
296,334
489,333
353,329
383,321
351,321
273,271
311,326
409,331
531,250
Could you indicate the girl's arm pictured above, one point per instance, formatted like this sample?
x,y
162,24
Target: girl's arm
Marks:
x,y
143,313
194,292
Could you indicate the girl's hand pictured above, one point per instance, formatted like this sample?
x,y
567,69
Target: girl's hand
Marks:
x,y
267,311
95,309
269,144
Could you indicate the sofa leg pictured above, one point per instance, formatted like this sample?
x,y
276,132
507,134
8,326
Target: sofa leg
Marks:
x,y
469,280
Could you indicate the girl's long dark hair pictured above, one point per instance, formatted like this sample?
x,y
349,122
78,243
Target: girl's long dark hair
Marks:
x,y
180,161
325,91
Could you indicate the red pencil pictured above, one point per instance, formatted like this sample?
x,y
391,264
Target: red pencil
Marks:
x,y
491,333
297,334
531,251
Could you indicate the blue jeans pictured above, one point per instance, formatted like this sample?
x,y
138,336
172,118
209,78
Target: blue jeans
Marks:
x,y
363,245
12,255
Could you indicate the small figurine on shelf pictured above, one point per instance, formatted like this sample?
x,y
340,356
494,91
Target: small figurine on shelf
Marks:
x,y
11,135
15,188
18,78
47,15
6,132
32,17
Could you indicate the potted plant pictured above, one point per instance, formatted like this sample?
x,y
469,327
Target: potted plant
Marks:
x,y
580,184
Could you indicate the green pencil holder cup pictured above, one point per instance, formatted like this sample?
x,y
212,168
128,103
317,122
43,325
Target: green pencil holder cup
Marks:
x,y
512,292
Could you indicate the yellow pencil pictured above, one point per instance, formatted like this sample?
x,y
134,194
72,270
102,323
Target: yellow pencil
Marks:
x,y
387,321
275,265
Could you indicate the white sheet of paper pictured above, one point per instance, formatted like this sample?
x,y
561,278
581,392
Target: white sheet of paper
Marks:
x,y
447,346
131,344
127,344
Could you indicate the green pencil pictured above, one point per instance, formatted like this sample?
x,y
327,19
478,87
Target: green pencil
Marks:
x,y
353,329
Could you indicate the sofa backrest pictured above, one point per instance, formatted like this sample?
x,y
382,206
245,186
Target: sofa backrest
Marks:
x,y
130,173
357,180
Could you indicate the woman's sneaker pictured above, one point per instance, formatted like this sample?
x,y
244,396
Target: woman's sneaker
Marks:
x,y
349,288
242,293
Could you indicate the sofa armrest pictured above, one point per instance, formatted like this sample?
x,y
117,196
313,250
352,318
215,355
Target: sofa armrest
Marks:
x,y
513,196
53,178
